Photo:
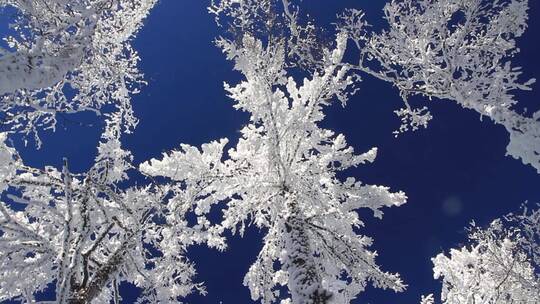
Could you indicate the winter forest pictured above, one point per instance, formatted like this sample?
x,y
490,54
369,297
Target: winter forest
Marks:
x,y
269,151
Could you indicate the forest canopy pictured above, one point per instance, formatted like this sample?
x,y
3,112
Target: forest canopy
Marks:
x,y
125,229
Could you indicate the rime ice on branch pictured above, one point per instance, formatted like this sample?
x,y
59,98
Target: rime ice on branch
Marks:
x,y
69,56
498,267
86,235
459,50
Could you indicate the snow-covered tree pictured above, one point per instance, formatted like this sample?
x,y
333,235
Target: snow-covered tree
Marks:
x,y
291,187
84,234
81,235
499,266
67,56
460,50
283,176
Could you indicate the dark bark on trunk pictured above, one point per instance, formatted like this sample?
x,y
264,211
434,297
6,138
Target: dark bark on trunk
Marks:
x,y
101,278
304,280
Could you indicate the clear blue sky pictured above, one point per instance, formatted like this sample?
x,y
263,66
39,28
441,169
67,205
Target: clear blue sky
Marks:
x,y
453,172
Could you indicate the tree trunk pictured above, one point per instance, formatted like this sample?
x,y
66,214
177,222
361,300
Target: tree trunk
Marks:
x,y
305,283
101,278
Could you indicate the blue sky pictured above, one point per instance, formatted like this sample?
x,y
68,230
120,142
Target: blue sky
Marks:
x,y
453,172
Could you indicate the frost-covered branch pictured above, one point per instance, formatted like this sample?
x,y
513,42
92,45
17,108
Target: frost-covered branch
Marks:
x,y
459,50
86,233
271,19
500,265
69,56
